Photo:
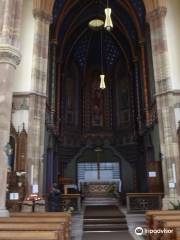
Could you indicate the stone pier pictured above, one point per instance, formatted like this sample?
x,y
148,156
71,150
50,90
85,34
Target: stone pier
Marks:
x,y
9,58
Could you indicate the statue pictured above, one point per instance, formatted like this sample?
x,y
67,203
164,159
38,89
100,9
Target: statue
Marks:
x,y
9,153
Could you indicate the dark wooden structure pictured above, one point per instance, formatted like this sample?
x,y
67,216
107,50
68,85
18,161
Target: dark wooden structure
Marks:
x,y
141,202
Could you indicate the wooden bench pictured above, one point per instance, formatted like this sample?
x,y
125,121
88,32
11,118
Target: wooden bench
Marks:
x,y
34,227
41,214
160,224
156,220
32,219
62,216
151,214
29,235
39,220
175,226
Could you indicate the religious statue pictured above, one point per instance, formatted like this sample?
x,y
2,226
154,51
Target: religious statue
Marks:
x,y
9,152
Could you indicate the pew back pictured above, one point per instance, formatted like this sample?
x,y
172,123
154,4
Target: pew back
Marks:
x,y
150,215
41,214
29,235
31,220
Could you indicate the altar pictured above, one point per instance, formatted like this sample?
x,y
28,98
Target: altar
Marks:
x,y
99,187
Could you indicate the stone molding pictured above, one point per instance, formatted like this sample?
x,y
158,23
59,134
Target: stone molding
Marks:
x,y
43,16
16,94
9,54
157,13
173,91
20,103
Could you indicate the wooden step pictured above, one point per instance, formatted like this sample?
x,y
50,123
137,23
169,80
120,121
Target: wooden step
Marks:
x,y
105,221
106,227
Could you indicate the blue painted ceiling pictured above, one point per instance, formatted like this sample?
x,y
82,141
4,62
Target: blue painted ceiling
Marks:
x,y
79,40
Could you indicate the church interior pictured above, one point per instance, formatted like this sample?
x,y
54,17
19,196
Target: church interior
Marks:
x,y
89,119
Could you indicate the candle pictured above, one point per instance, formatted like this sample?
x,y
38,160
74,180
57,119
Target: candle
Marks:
x,y
174,172
32,174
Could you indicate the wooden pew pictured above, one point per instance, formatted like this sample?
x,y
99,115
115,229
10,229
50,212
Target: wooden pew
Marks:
x,y
41,214
159,223
29,235
34,227
159,220
39,220
32,219
151,214
64,216
156,219
175,226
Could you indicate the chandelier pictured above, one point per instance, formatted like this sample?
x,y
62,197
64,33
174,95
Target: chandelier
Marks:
x,y
96,24
108,21
102,76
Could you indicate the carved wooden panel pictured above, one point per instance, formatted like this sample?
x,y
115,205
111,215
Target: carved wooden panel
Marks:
x,y
155,181
97,107
16,184
141,202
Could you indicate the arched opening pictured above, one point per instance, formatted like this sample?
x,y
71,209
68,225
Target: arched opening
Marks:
x,y
124,114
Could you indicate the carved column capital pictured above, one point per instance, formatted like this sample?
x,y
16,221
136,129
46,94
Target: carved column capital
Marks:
x,y
43,16
9,54
156,13
42,9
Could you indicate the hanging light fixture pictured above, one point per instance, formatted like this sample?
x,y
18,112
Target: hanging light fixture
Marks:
x,y
108,21
102,76
102,83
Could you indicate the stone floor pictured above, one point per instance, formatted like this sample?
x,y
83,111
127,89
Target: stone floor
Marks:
x,y
133,221
77,226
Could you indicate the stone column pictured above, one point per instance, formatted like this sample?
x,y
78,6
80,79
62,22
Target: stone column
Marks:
x,y
36,130
165,105
9,57
136,76
52,77
145,82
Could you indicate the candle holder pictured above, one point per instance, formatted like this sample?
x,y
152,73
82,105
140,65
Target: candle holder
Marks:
x,y
33,198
